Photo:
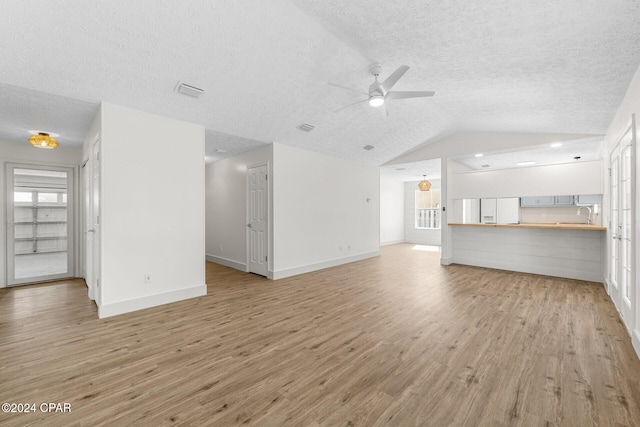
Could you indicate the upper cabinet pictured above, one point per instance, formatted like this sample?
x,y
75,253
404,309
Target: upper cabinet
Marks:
x,y
564,200
538,201
550,201
589,199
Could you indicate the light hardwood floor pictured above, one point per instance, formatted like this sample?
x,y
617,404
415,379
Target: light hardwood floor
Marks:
x,y
392,341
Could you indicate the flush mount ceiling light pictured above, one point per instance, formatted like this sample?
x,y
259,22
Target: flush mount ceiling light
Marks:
x,y
43,140
424,185
555,144
479,155
527,163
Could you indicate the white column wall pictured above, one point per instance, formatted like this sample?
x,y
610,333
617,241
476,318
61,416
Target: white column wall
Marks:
x,y
152,210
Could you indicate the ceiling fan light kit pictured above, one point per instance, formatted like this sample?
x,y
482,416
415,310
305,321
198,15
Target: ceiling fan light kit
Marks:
x,y
376,100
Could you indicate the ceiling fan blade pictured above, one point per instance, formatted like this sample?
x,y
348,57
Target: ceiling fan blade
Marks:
x,y
348,88
409,94
394,77
385,111
350,105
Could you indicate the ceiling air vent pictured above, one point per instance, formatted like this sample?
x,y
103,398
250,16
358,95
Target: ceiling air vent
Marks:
x,y
189,90
305,127
368,147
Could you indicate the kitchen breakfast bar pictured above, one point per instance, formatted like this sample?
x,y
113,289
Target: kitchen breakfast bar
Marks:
x,y
574,251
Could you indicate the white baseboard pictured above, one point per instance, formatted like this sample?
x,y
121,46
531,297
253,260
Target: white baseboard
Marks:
x,y
320,265
121,307
227,262
545,271
391,242
635,340
446,261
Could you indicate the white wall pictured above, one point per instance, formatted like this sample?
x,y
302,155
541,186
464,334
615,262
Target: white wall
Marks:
x,y
226,206
152,210
326,211
391,211
548,180
630,106
25,153
413,235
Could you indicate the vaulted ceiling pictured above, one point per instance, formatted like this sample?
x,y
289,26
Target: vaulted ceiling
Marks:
x,y
496,65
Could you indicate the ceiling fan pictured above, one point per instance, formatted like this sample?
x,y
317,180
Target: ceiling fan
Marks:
x,y
379,93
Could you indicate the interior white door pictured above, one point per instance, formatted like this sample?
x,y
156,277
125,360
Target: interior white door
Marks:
x,y
39,223
621,263
95,222
257,225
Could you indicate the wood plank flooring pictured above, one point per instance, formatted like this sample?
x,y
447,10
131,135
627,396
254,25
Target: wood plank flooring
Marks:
x,y
396,340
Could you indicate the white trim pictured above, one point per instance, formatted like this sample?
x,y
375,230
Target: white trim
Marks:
x,y
446,261
635,341
227,262
321,265
121,307
544,271
392,242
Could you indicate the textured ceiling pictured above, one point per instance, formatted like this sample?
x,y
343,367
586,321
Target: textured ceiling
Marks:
x,y
584,149
496,65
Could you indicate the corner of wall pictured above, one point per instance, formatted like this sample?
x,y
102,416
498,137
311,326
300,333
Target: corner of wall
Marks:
x,y
635,340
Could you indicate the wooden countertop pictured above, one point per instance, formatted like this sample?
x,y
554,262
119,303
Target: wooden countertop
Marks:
x,y
556,226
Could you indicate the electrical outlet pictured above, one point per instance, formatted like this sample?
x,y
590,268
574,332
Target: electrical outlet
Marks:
x,y
147,277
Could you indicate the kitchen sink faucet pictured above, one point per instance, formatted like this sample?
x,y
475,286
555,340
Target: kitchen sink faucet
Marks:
x,y
588,216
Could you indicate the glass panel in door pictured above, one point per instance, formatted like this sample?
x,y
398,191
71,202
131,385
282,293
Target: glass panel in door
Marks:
x,y
39,224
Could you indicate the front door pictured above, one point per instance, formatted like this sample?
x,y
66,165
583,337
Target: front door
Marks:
x,y
257,226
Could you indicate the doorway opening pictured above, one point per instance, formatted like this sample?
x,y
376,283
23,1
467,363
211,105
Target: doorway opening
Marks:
x,y
39,223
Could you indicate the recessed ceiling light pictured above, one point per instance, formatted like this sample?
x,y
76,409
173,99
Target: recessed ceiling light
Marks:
x,y
527,163
555,144
479,155
368,147
485,166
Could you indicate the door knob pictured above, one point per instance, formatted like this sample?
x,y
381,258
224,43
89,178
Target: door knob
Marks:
x,y
249,225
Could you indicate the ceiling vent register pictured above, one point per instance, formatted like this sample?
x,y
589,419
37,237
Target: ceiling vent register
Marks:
x,y
305,127
189,90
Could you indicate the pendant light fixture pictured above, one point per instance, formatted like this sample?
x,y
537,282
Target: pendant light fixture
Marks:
x,y
424,185
43,140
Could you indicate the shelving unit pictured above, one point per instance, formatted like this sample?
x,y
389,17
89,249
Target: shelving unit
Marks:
x,y
40,228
